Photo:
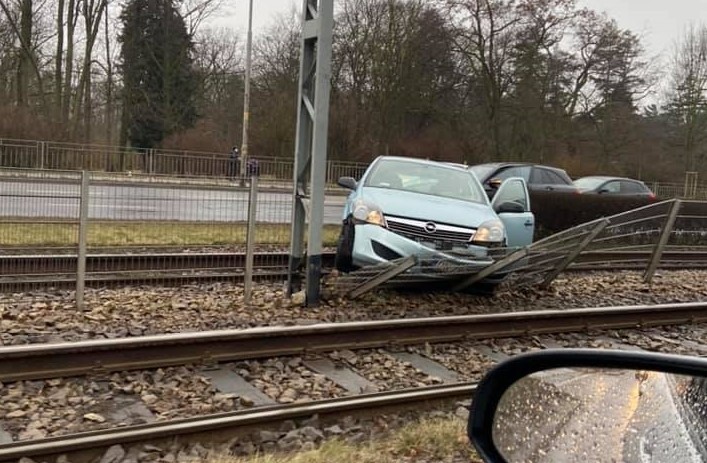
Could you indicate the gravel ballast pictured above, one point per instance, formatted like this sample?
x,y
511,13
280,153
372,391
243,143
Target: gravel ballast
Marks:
x,y
41,317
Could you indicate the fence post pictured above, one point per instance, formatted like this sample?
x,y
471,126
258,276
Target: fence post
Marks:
x,y
250,237
42,154
662,241
83,232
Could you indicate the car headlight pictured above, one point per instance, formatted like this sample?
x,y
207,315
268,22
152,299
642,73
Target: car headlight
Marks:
x,y
364,212
491,231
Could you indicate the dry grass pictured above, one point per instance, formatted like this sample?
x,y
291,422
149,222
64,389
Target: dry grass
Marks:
x,y
439,440
148,234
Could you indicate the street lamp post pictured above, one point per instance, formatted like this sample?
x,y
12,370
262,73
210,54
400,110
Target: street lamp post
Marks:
x,y
246,96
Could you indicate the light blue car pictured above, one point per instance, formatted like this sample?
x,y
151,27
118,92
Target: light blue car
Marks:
x,y
436,211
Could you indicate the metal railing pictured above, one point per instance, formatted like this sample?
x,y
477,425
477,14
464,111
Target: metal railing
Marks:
x,y
43,155
57,213
184,164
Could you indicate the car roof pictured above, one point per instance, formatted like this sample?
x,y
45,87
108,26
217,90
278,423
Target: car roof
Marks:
x,y
507,164
607,178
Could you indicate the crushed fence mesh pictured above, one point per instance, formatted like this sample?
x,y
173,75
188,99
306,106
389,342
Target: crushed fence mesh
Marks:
x,y
659,235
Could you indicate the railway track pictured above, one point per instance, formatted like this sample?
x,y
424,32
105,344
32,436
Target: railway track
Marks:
x,y
43,361
224,427
98,358
59,270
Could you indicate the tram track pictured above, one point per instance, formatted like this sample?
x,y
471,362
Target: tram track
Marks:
x,y
110,269
43,361
224,427
97,359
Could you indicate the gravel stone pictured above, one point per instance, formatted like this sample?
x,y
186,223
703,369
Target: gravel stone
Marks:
x,y
334,430
114,454
43,316
311,433
268,436
95,417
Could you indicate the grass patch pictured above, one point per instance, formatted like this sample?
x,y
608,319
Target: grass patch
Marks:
x,y
426,440
148,234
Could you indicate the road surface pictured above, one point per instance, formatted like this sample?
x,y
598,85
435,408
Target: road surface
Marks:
x,y
44,200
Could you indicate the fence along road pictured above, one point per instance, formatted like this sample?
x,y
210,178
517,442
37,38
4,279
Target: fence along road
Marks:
x,y
140,202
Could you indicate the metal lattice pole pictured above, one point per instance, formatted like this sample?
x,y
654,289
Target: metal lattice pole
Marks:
x,y
311,144
246,96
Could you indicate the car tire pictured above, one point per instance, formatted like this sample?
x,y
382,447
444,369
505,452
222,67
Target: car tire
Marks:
x,y
344,248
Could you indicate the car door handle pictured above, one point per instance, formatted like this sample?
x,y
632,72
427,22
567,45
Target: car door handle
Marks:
x,y
529,223
549,188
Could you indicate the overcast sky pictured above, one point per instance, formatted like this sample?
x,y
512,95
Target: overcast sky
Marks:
x,y
658,22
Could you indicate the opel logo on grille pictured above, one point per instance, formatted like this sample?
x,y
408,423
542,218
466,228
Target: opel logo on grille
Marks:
x,y
430,227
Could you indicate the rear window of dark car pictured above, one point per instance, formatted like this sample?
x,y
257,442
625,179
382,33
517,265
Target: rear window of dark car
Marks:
x,y
549,177
633,187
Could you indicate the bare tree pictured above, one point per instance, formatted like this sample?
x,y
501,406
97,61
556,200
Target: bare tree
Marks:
x,y
687,102
195,12
71,20
27,62
92,12
485,34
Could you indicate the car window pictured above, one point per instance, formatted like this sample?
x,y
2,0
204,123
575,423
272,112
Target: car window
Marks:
x,y
632,187
547,177
518,171
513,191
431,179
589,183
482,170
612,187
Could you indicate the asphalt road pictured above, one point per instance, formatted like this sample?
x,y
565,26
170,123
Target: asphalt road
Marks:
x,y
31,199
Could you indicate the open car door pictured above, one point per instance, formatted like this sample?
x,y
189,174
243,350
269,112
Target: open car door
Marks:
x,y
512,204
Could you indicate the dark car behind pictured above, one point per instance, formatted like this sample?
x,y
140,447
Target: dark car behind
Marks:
x,y
538,177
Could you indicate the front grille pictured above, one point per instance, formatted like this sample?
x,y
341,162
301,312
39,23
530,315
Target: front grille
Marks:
x,y
416,229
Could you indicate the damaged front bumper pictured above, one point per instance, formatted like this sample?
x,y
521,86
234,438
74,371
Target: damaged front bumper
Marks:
x,y
376,245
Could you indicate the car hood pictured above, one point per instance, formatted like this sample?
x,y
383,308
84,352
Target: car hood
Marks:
x,y
427,207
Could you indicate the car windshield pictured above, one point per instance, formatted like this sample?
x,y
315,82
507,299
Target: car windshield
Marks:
x,y
436,180
483,170
589,183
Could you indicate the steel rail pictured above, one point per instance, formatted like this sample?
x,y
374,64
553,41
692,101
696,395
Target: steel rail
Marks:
x,y
222,426
68,280
43,361
120,262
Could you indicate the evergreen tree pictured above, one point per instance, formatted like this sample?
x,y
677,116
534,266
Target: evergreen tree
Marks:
x,y
159,78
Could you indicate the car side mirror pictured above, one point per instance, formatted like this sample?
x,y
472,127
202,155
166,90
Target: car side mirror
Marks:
x,y
602,191
347,182
495,183
557,404
509,206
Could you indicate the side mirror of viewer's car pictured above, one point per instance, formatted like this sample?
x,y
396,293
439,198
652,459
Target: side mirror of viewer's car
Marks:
x,y
579,405
347,182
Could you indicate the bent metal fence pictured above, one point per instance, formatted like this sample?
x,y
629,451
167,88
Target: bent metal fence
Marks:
x,y
664,234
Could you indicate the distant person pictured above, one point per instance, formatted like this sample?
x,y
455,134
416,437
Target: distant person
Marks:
x,y
234,160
